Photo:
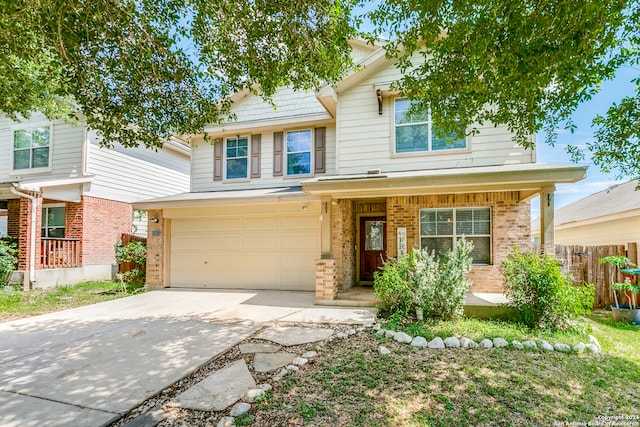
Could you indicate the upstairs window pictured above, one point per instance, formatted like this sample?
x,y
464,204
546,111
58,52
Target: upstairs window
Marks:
x,y
441,228
237,158
298,157
53,221
416,133
31,147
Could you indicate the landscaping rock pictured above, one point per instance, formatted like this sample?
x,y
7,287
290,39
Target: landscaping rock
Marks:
x,y
350,331
292,368
593,340
294,335
452,342
265,386
473,344
309,354
562,348
376,327
383,350
530,345
402,338
360,329
226,422
251,395
436,343
389,334
239,409
546,346
464,342
300,361
380,331
592,348
500,343
341,335
486,343
419,342
579,348
517,345
280,375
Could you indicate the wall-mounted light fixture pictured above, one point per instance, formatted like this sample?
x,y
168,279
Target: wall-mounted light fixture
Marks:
x,y
304,207
379,96
155,220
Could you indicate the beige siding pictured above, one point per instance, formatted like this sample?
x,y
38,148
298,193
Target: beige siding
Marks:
x,y
65,155
202,166
611,232
130,178
362,130
289,103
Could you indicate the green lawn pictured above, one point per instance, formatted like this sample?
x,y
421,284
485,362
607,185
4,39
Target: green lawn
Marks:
x,y
16,304
352,385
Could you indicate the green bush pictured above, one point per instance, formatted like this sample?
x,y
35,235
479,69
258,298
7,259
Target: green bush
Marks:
x,y
8,260
540,294
135,252
419,279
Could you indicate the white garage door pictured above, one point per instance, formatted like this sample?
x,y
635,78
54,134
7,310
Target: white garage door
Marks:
x,y
250,252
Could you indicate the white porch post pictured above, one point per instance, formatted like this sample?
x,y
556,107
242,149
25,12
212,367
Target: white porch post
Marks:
x,y
546,220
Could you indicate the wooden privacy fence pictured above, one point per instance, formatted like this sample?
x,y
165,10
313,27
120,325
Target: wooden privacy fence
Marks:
x,y
583,262
126,239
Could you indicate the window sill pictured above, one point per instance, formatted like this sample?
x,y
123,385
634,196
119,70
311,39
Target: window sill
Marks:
x,y
29,171
430,153
235,180
301,176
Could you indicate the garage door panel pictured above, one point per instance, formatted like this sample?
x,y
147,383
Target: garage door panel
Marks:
x,y
252,252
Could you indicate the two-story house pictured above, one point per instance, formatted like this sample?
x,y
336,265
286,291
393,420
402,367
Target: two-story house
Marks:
x,y
66,201
316,193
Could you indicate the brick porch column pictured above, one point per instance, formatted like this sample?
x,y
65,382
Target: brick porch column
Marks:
x,y
326,280
19,228
157,228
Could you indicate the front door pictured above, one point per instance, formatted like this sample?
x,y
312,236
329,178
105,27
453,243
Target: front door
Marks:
x,y
373,242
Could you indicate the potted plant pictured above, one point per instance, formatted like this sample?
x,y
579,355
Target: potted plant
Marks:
x,y
623,313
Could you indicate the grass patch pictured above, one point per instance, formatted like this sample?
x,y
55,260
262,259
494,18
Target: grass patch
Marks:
x,y
16,303
351,384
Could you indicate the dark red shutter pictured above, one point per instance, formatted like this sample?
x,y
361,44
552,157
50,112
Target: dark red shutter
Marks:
x,y
217,159
255,155
320,143
278,158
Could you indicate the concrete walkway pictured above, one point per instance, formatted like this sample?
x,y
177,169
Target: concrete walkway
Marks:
x,y
90,365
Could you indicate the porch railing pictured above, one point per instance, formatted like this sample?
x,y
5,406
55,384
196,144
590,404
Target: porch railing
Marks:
x,y
60,253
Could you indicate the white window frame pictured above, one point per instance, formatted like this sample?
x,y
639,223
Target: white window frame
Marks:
x,y
44,225
455,235
286,153
225,158
429,124
31,125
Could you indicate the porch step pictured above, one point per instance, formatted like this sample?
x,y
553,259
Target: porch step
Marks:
x,y
357,296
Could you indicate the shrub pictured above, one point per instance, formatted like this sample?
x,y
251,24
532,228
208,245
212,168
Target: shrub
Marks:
x,y
419,279
540,294
8,260
135,252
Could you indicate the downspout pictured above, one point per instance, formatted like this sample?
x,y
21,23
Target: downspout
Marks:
x,y
32,238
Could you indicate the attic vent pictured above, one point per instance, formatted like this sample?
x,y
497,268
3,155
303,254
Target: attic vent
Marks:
x,y
374,172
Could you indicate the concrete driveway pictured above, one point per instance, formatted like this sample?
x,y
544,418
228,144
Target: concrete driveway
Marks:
x,y
88,366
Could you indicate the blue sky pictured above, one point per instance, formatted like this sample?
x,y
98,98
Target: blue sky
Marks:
x,y
596,180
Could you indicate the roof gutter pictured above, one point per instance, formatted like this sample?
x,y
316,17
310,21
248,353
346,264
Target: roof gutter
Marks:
x,y
29,281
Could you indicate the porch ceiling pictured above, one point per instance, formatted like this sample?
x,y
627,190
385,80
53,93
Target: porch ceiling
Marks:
x,y
529,179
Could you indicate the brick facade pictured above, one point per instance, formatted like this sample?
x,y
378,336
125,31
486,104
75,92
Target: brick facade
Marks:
x,y
343,240
326,279
510,225
19,225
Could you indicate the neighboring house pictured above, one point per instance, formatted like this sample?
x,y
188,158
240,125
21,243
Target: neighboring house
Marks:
x,y
82,196
314,194
609,217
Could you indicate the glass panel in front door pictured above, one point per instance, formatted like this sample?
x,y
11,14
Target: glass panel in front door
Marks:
x,y
374,236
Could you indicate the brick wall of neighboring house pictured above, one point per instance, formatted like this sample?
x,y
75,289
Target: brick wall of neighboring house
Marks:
x,y
104,221
155,249
19,224
510,225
